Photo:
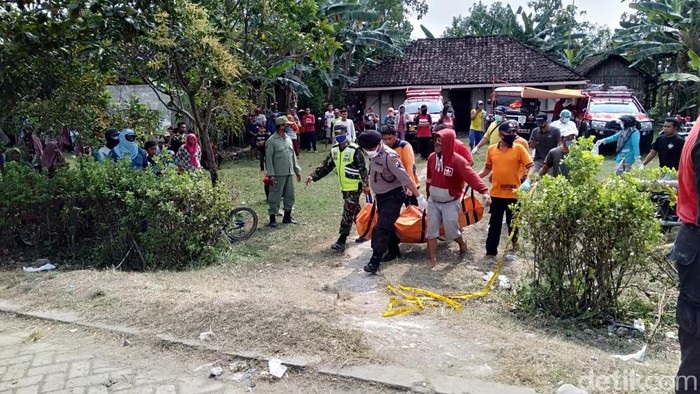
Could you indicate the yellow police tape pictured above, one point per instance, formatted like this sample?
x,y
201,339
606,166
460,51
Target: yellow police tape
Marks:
x,y
405,299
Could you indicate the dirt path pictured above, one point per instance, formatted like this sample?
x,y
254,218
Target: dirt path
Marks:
x,y
320,305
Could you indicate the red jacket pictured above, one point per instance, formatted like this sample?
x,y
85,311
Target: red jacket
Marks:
x,y
455,172
463,151
687,205
308,123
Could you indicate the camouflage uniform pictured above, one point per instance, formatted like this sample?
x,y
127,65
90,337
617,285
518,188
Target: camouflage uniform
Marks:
x,y
355,173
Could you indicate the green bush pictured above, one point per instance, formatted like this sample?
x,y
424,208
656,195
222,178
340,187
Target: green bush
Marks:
x,y
590,239
105,214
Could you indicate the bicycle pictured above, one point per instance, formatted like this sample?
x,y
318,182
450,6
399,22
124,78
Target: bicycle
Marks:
x,y
240,224
665,201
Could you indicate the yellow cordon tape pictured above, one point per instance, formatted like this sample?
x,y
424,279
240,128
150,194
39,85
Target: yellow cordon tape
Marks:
x,y
405,299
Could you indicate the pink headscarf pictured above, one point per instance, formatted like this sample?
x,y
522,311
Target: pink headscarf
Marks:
x,y
192,146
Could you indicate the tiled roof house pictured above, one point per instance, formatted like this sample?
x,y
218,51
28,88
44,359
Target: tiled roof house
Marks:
x,y
466,69
615,70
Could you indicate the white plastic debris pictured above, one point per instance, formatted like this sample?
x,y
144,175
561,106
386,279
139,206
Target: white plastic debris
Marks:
x,y
205,336
487,276
638,356
276,368
244,377
671,335
45,267
503,282
216,372
638,325
570,389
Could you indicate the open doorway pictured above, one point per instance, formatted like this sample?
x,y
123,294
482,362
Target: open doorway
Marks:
x,y
461,103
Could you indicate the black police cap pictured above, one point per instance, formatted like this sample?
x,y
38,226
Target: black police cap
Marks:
x,y
369,139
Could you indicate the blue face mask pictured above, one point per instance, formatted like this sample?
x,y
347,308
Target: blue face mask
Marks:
x,y
498,118
341,138
287,129
568,143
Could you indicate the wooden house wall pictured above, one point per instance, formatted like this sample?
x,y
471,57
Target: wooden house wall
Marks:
x,y
613,72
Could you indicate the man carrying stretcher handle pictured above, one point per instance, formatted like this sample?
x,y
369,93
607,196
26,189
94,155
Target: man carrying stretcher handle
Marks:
x,y
448,173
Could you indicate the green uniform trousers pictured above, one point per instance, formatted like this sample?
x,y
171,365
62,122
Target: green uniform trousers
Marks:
x,y
351,206
282,190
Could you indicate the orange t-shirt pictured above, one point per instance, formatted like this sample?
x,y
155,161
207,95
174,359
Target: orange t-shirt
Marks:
x,y
506,168
522,141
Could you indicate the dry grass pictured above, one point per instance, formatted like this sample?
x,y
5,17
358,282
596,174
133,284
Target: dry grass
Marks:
x,y
284,293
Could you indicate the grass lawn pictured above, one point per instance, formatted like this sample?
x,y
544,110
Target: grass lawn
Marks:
x,y
284,292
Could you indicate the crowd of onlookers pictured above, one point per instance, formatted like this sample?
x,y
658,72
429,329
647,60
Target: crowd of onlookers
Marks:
x,y
172,147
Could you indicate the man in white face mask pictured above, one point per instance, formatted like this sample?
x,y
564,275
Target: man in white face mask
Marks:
x,y
388,180
564,123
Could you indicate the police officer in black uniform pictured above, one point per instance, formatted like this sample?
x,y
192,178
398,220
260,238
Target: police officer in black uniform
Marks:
x,y
388,180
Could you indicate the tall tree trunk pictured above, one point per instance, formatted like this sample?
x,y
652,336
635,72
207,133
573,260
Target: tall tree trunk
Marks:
x,y
208,156
202,126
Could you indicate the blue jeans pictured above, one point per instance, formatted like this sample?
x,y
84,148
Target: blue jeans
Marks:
x,y
474,137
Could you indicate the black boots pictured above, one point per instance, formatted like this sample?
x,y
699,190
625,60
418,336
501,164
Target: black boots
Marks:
x,y
373,266
392,254
287,218
339,245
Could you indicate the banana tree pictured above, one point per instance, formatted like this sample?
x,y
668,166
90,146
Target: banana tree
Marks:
x,y
666,38
363,36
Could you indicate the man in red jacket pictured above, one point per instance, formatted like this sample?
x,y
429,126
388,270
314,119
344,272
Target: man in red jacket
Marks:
x,y
308,134
460,148
448,172
686,254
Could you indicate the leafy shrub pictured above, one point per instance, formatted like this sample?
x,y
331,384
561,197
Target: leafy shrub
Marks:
x,y
105,214
590,239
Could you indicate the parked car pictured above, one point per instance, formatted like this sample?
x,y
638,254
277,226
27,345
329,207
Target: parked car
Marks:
x,y
415,98
685,129
524,103
599,110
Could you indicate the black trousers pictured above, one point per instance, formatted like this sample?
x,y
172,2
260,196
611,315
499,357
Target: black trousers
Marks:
x,y
499,206
384,236
262,158
688,319
424,146
308,140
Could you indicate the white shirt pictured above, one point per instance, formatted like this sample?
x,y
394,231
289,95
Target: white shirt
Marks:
x,y
565,129
328,116
350,126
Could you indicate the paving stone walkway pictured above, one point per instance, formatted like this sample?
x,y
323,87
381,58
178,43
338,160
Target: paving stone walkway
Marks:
x,y
57,364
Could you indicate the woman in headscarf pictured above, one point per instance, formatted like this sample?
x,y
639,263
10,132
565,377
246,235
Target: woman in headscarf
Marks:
x,y
52,157
189,155
127,149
